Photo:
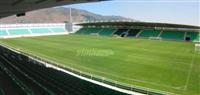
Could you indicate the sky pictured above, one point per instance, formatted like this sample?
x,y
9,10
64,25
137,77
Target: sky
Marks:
x,y
165,11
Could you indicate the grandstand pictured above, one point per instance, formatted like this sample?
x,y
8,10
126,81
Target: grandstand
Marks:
x,y
7,31
22,30
143,30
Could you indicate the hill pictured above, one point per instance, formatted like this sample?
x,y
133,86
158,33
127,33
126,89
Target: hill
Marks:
x,y
58,15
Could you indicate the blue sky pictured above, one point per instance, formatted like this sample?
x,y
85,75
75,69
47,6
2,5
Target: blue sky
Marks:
x,y
169,11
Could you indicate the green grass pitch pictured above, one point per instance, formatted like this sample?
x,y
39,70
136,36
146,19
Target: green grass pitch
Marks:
x,y
163,65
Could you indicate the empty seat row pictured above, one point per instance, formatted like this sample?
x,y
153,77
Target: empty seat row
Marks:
x,y
107,31
173,35
100,31
149,33
18,31
40,30
88,31
3,32
50,81
25,31
58,30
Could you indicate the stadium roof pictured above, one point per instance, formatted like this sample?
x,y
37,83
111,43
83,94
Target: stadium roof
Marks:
x,y
12,7
140,24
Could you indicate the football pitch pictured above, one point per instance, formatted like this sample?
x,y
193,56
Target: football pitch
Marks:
x,y
163,65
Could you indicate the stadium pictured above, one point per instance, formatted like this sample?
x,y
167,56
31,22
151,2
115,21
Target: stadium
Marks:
x,y
98,57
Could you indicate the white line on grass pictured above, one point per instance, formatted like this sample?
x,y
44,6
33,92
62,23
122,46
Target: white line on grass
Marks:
x,y
189,72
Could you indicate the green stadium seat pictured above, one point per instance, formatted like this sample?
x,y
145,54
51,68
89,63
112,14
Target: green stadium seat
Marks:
x,y
194,36
199,36
149,33
92,30
40,30
107,31
81,31
3,33
58,30
88,31
38,76
18,31
174,35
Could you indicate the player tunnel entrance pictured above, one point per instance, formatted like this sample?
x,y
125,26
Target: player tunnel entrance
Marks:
x,y
187,39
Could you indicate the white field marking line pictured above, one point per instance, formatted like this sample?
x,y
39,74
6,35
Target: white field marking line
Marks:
x,y
189,72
